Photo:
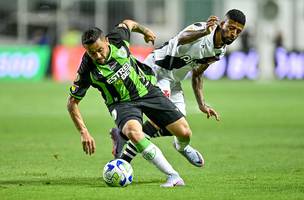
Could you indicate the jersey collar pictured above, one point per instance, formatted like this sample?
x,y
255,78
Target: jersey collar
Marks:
x,y
110,53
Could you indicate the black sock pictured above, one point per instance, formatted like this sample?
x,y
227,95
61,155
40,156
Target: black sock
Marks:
x,y
123,135
149,129
165,132
129,153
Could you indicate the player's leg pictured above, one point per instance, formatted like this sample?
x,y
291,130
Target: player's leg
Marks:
x,y
118,142
149,128
172,119
129,117
130,151
173,91
177,97
181,143
193,156
132,129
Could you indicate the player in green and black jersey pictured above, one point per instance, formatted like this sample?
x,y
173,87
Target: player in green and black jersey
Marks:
x,y
108,66
119,77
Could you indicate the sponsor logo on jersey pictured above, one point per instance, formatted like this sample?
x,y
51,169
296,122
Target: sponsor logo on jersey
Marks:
x,y
122,74
186,58
74,88
112,66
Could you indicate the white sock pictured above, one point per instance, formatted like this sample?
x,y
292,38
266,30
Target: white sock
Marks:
x,y
154,155
181,144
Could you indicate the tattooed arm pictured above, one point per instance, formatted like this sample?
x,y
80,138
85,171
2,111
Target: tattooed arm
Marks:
x,y
133,26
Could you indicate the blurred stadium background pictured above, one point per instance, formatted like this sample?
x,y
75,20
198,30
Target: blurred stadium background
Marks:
x,y
254,152
271,46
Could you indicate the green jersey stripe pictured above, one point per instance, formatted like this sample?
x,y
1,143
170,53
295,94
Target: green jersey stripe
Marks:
x,y
131,87
127,84
105,92
134,80
120,79
139,76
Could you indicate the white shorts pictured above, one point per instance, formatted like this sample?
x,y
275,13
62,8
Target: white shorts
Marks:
x,y
170,87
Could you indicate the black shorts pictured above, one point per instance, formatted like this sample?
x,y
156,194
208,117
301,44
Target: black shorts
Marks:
x,y
154,105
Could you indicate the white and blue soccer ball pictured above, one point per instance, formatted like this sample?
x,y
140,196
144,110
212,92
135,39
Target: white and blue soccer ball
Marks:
x,y
118,173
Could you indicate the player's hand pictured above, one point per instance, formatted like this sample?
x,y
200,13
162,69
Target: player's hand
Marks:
x,y
88,142
209,111
149,36
212,22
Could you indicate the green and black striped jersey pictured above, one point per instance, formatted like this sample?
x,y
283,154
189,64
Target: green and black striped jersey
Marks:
x,y
121,78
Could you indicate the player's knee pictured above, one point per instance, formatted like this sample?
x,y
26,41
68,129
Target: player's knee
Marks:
x,y
186,132
133,133
180,128
185,129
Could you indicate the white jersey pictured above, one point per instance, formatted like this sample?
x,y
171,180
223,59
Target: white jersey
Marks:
x,y
175,61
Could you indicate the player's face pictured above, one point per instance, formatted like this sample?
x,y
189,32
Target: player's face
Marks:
x,y
230,30
99,50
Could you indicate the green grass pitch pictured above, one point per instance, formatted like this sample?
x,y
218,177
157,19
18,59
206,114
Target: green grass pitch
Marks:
x,y
256,151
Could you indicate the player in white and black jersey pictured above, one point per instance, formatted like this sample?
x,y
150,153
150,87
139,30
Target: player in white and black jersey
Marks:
x,y
176,58
191,50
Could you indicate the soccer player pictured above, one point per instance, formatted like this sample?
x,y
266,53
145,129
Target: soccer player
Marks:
x,y
108,66
191,50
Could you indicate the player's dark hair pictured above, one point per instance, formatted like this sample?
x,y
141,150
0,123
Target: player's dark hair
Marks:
x,y
91,35
236,15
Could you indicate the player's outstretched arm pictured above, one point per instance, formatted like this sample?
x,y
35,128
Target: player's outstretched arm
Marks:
x,y
197,86
189,36
133,26
88,143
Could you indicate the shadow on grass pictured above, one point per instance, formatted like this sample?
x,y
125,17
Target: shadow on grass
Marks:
x,y
67,181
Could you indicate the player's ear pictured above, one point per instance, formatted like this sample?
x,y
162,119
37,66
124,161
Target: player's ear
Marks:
x,y
105,39
222,24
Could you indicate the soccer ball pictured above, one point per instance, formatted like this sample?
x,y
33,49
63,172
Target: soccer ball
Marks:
x,y
118,173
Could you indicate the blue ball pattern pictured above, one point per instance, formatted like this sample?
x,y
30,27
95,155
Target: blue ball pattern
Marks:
x,y
118,173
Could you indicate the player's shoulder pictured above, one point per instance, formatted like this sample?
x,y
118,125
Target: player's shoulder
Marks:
x,y
118,34
195,26
199,24
86,64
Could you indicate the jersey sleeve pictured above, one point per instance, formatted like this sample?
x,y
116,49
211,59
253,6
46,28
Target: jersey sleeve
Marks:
x,y
119,34
82,82
195,27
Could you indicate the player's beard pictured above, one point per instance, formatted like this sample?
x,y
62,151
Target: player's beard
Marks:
x,y
100,61
225,39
